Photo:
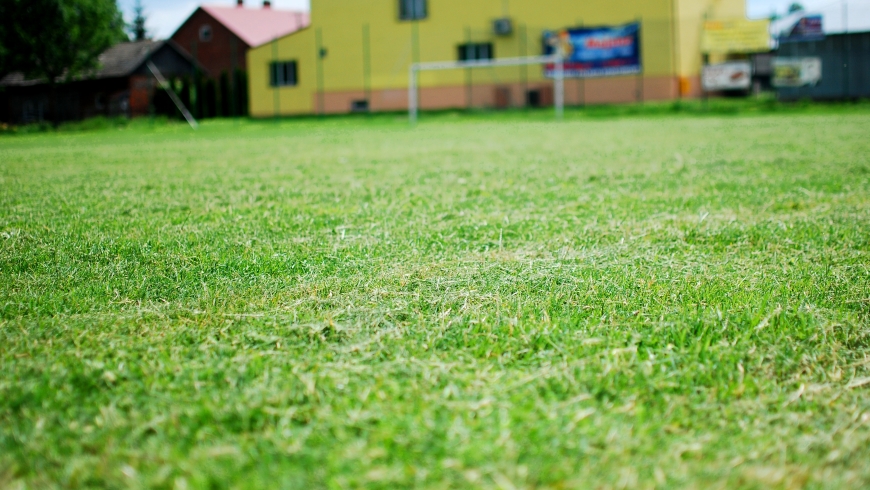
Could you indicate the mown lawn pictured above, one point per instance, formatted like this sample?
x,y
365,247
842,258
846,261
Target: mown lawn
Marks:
x,y
483,301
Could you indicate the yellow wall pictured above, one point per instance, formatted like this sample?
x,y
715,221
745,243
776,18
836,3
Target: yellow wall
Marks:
x,y
340,24
690,23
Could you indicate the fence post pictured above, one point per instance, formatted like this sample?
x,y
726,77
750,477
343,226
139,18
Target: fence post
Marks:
x,y
273,71
639,95
560,86
847,52
524,73
194,88
415,53
232,78
412,94
581,81
469,80
675,64
318,35
367,66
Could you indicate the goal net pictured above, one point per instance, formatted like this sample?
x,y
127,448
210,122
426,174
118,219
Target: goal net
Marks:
x,y
556,61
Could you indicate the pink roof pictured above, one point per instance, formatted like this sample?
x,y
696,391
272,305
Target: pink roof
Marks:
x,y
256,26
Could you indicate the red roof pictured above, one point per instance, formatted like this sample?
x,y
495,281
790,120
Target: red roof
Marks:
x,y
256,26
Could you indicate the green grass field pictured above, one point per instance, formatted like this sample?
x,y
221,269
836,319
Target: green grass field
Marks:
x,y
485,301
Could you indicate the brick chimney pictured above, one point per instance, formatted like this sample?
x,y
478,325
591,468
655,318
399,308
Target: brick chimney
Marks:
x,y
267,4
240,3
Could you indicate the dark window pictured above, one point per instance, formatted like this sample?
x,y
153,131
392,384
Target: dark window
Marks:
x,y
359,106
283,74
475,51
205,33
412,9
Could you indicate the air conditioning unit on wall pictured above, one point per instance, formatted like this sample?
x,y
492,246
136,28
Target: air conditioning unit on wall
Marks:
x,y
503,27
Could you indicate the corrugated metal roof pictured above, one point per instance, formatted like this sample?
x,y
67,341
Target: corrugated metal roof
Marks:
x,y
118,61
256,26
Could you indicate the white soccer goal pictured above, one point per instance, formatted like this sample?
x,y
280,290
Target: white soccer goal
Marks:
x,y
558,77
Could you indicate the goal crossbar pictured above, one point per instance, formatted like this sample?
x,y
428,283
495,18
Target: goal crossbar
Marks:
x,y
416,68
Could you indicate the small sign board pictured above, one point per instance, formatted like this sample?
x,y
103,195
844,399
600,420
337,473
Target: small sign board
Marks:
x,y
735,36
734,75
796,72
808,28
595,51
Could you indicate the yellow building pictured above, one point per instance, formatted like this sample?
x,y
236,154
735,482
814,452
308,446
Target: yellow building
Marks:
x,y
355,54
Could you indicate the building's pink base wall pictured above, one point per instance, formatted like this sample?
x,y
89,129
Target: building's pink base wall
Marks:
x,y
616,90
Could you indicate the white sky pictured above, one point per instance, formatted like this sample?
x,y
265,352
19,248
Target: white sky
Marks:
x,y
857,12
164,16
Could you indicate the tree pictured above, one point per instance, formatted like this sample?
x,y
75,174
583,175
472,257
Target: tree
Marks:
x,y
137,27
795,7
9,59
58,40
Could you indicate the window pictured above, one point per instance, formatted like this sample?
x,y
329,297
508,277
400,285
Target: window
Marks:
x,y
205,33
412,9
475,51
359,105
283,74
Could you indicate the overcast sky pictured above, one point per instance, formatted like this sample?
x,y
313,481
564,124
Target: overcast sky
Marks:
x,y
164,16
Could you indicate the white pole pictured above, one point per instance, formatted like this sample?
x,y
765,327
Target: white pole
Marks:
x,y
412,94
560,87
163,83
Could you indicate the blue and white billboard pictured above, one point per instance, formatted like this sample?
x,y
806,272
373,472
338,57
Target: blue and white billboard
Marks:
x,y
596,51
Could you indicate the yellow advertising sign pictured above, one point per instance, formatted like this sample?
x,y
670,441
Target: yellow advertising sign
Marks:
x,y
736,36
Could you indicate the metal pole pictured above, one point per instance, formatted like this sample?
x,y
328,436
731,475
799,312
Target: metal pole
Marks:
x,y
415,52
847,51
581,82
524,74
704,59
412,94
151,94
674,65
468,75
318,41
175,100
640,94
233,77
560,87
367,65
704,95
197,104
273,71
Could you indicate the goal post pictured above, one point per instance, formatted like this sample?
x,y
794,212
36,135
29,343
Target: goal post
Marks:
x,y
558,77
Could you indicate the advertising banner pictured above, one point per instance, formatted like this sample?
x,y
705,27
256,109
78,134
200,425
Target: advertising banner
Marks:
x,y
735,75
808,28
596,51
796,72
736,36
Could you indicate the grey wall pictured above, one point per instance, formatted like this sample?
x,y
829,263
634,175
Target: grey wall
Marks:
x,y
845,67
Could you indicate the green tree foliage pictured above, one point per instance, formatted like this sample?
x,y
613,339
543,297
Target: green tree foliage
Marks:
x,y
8,53
137,27
58,40
795,7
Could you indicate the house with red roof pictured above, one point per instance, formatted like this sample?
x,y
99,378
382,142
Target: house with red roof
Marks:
x,y
219,37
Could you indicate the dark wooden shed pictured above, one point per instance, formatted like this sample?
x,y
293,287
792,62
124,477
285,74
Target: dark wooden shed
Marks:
x,y
123,85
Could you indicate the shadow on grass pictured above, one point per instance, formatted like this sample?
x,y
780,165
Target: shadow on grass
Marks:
x,y
711,107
